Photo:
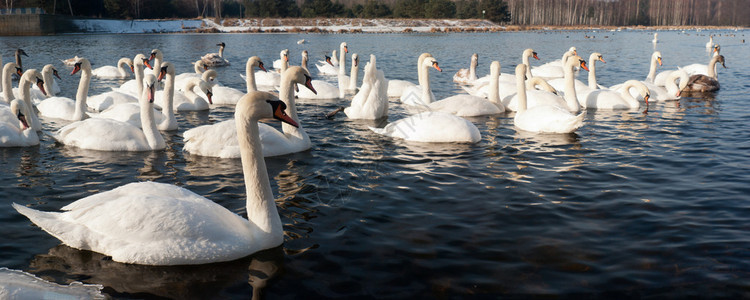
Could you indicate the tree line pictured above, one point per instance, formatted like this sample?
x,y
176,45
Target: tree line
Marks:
x,y
515,12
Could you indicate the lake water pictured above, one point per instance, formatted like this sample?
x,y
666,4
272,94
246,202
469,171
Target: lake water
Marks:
x,y
631,205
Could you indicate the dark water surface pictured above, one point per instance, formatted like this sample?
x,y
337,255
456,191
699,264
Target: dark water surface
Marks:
x,y
633,204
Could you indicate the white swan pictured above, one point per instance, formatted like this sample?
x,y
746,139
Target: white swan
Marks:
x,y
115,72
397,88
619,98
555,68
8,70
216,59
51,87
16,131
134,87
155,60
656,38
432,127
326,67
283,62
710,42
545,119
162,224
655,59
342,78
511,78
698,68
268,81
326,90
371,101
706,83
188,100
422,94
569,100
111,135
228,95
350,82
464,105
465,76
65,108
198,67
671,90
220,139
582,89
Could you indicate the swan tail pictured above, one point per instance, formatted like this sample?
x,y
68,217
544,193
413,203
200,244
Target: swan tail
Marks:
x,y
54,223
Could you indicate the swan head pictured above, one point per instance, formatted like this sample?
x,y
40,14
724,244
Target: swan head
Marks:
x,y
81,64
475,59
657,57
20,51
166,68
328,60
300,76
262,105
530,53
344,47
597,56
717,48
141,60
577,61
51,70
205,87
255,61
431,62
284,55
156,53
721,60
19,109
355,59
574,50
222,45
149,87
33,76
209,77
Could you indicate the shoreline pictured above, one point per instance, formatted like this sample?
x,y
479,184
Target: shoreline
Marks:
x,y
338,25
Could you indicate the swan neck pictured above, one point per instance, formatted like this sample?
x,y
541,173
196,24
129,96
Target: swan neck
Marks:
x,y
7,84
592,74
197,67
221,51
250,78
286,94
652,71
354,76
521,93
48,80
139,78
24,90
425,82
473,70
342,62
711,72
122,67
625,93
571,99
260,204
148,123
525,60
168,110
304,63
82,94
494,95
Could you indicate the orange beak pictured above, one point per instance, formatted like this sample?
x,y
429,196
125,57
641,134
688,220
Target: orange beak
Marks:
x,y
602,59
346,49
209,94
40,85
76,68
260,66
659,60
145,62
279,113
584,66
646,98
535,56
435,65
308,84
162,73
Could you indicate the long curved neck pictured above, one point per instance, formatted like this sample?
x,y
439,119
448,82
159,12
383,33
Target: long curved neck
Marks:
x,y
592,74
342,61
521,93
168,110
712,67
260,204
156,65
7,85
304,63
148,124
425,82
250,78
571,99
652,70
122,67
48,80
82,94
473,69
525,60
189,93
286,94
139,78
625,94
354,76
24,90
671,85
197,67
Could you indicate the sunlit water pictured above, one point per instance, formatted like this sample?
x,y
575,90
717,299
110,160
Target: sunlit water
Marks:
x,y
632,204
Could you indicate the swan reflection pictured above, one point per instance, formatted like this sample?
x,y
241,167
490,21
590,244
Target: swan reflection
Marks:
x,y
64,264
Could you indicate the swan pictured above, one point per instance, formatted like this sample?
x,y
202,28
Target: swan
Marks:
x,y
24,86
327,67
582,89
216,59
432,127
671,90
619,98
267,81
465,76
706,83
655,58
343,80
701,69
50,85
411,96
16,131
544,119
220,139
371,101
350,82
228,95
8,70
326,90
66,108
157,57
470,106
569,100
397,88
115,72
555,68
151,223
134,87
511,78
710,43
131,112
188,100
283,62
111,135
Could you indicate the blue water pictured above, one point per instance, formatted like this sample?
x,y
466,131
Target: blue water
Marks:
x,y
633,204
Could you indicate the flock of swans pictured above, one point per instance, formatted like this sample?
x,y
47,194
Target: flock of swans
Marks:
x,y
176,226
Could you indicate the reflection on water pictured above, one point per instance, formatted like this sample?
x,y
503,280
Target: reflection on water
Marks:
x,y
65,264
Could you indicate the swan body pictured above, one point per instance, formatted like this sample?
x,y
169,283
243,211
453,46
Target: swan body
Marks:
x,y
16,132
698,69
220,139
152,223
710,42
706,83
216,59
327,67
470,106
371,101
547,119
66,108
465,76
617,99
432,127
111,135
106,100
115,72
